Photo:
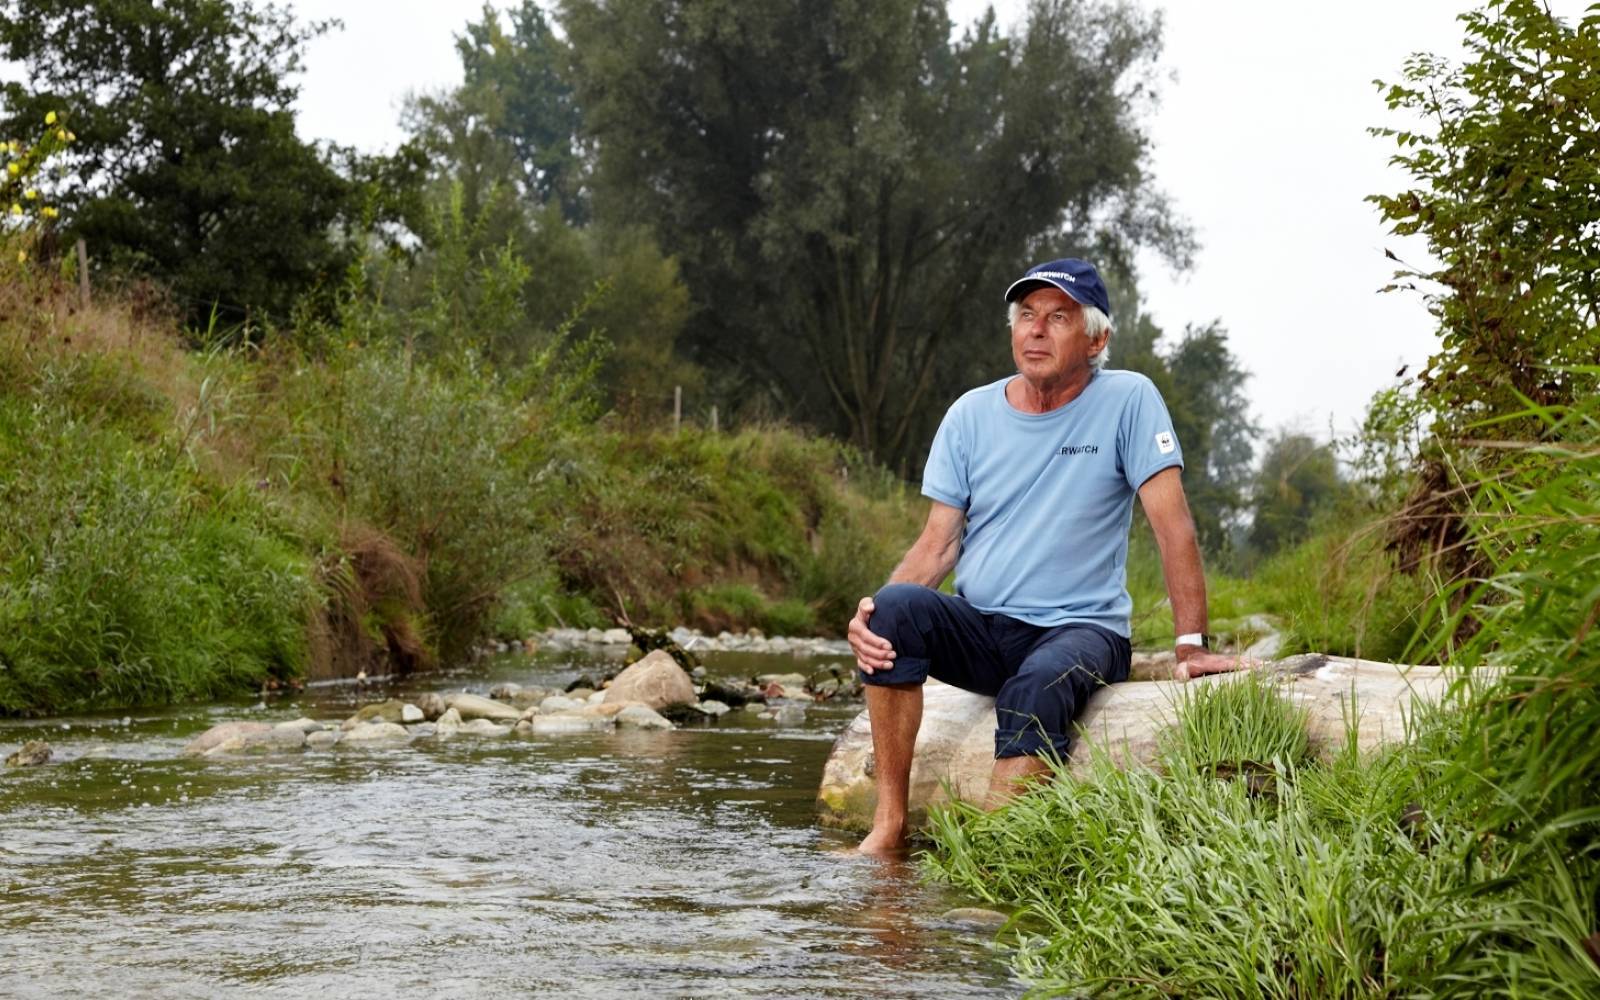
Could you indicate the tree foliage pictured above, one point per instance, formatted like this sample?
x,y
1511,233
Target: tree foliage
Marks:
x,y
505,176
1204,388
1506,191
846,187
1298,478
187,167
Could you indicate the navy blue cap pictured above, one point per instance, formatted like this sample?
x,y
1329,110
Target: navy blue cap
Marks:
x,y
1077,278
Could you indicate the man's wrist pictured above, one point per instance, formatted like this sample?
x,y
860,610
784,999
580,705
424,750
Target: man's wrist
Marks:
x,y
1200,640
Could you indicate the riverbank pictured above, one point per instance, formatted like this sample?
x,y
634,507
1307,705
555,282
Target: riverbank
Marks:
x,y
194,524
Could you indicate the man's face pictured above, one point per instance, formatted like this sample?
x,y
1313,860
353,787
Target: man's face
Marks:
x,y
1047,340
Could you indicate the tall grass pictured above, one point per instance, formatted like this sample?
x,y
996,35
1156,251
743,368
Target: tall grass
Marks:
x,y
124,581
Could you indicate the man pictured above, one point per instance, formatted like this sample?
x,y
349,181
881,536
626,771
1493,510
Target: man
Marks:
x,y
1032,480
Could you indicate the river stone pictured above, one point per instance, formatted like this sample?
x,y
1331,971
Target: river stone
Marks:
x,y
377,732
955,746
286,738
975,918
432,705
301,725
715,709
484,727
224,732
322,739
504,691
383,711
528,697
642,717
616,636
476,706
559,703
31,754
656,681
410,713
571,722
448,724
791,683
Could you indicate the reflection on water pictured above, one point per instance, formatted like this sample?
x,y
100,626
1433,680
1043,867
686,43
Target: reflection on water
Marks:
x,y
623,864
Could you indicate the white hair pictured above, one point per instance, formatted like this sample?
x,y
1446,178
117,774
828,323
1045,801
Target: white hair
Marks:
x,y
1095,323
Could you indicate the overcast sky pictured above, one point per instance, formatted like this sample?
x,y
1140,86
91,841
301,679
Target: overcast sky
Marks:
x,y
1260,141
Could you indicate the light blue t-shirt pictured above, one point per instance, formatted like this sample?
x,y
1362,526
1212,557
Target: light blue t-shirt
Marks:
x,y
1049,496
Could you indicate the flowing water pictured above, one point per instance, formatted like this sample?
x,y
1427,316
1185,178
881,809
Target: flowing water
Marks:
x,y
622,864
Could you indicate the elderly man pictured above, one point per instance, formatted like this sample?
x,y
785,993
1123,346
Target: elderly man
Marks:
x,y
1032,480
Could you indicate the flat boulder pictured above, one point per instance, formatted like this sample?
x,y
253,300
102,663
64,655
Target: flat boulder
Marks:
x,y
476,706
656,681
955,746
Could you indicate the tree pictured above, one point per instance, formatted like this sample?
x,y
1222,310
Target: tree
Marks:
x,y
505,174
1506,191
187,166
1299,477
1203,386
1211,416
847,189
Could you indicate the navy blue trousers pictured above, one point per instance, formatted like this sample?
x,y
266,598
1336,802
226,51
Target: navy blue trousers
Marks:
x,y
1039,676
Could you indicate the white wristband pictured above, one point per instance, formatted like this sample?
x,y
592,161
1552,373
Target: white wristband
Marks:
x,y
1190,639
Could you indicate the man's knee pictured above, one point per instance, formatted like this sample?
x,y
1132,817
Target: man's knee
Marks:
x,y
896,604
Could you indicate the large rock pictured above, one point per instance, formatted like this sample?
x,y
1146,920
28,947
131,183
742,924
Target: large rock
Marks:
x,y
476,706
955,746
656,681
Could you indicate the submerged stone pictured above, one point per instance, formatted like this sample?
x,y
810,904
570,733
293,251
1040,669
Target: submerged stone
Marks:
x,y
31,754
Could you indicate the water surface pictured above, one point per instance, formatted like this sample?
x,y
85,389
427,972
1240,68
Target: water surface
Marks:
x,y
622,864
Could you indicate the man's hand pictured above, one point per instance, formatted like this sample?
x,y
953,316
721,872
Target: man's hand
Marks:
x,y
873,651
1193,661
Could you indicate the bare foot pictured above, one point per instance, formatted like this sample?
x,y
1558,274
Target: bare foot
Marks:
x,y
887,842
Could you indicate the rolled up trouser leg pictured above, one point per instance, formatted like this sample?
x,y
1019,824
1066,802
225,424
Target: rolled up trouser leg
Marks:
x,y
936,633
1036,707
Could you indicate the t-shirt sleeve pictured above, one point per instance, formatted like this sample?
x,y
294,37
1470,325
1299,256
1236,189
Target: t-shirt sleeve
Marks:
x,y
1145,436
944,478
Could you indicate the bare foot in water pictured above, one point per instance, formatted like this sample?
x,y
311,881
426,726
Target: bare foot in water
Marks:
x,y
889,842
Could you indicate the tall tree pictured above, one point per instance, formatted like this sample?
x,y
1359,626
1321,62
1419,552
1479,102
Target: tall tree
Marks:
x,y
1299,477
848,189
505,172
187,166
1211,415
1203,385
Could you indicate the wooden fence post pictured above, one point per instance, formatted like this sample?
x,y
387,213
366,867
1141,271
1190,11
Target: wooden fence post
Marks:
x,y
677,408
83,275
713,420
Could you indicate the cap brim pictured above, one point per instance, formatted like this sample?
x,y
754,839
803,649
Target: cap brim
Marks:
x,y
1022,286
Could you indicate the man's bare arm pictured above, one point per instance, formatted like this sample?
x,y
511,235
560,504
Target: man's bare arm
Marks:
x,y
929,560
1168,510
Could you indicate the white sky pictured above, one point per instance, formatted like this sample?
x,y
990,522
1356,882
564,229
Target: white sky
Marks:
x,y
1260,141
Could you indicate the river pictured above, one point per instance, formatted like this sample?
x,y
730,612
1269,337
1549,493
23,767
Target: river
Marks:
x,y
623,864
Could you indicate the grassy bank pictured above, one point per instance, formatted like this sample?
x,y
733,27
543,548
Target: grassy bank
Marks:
x,y
1464,863
189,523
